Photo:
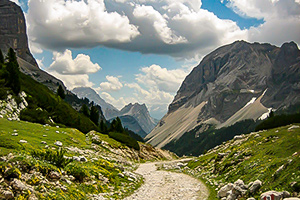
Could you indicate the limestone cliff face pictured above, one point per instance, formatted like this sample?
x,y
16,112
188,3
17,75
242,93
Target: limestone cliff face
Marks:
x,y
235,82
13,31
13,35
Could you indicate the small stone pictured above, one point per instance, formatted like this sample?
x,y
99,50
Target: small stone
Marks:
x,y
43,142
251,198
15,134
44,135
23,141
54,175
82,159
56,131
58,143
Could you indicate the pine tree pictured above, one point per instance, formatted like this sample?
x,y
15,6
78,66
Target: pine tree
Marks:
x,y
94,115
119,127
13,70
61,92
85,110
1,58
103,127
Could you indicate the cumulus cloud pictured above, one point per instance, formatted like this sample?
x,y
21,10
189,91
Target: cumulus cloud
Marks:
x,y
59,24
73,72
119,103
281,18
72,81
64,64
112,84
162,78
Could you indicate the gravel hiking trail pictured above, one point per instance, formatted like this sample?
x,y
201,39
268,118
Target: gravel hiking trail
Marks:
x,y
165,185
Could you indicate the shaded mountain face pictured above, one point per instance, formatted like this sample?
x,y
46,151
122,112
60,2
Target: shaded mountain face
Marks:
x,y
86,92
139,112
233,83
132,124
13,35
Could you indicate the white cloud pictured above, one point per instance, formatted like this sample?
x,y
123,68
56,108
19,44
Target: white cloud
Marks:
x,y
60,24
73,72
282,19
162,78
113,84
152,17
118,103
64,64
72,81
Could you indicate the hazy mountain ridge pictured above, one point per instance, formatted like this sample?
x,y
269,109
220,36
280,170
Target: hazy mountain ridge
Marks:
x,y
233,83
140,113
86,92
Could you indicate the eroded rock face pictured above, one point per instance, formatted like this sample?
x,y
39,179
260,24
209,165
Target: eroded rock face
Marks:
x,y
13,31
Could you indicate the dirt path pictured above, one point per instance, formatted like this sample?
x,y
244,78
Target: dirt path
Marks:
x,y
165,185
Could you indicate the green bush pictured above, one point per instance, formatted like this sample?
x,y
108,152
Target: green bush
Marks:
x,y
78,171
125,139
56,158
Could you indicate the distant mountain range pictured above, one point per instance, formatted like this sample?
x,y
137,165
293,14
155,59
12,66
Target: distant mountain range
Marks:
x,y
135,117
236,82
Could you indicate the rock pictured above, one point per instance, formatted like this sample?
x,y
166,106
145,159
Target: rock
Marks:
x,y
274,195
23,141
82,159
238,137
8,194
15,134
76,158
237,190
255,186
291,198
18,185
58,143
251,198
54,175
43,142
72,178
293,127
44,135
240,183
295,154
223,191
57,131
32,197
279,170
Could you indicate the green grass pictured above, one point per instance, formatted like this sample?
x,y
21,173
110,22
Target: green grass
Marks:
x,y
255,158
34,134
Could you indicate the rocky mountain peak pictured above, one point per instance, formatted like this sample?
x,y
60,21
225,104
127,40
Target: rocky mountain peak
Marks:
x,y
13,31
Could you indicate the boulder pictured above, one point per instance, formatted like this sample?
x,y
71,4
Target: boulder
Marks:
x,y
251,198
240,183
19,185
223,191
255,186
82,159
54,175
7,194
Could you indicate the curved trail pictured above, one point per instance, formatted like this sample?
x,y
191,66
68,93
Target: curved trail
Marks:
x,y
164,185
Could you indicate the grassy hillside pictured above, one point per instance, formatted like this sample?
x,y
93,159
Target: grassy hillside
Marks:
x,y
253,156
105,166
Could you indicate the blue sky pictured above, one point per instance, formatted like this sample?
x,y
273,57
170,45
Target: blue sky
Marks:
x,y
141,50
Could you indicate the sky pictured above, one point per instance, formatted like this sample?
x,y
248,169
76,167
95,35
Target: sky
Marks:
x,y
141,50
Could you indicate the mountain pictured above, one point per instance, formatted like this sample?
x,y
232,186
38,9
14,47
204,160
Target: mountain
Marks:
x,y
13,35
132,124
236,82
140,114
87,92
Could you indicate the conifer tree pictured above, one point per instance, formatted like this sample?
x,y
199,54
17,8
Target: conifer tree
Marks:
x,y
94,115
61,92
103,127
85,110
13,70
1,58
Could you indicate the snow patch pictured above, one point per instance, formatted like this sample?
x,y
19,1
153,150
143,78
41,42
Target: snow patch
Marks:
x,y
250,102
265,115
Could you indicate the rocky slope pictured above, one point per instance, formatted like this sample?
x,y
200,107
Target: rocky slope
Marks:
x,y
233,83
86,92
90,166
140,114
249,167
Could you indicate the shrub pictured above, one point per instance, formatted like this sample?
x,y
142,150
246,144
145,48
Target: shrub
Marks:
x,y
78,171
125,139
56,158
12,173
